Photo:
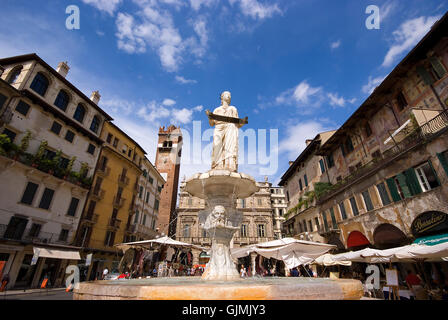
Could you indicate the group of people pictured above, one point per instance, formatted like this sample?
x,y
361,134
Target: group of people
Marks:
x,y
302,271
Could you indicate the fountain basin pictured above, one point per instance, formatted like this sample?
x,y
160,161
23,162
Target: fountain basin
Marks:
x,y
217,183
193,288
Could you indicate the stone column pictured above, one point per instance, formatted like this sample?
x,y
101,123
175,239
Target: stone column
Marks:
x,y
253,257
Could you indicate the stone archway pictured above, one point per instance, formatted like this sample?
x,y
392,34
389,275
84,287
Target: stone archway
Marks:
x,y
357,239
387,235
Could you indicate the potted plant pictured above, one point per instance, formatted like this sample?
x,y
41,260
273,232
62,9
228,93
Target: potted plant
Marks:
x,y
5,144
69,168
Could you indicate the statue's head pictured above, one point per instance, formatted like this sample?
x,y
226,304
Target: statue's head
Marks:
x,y
219,211
226,96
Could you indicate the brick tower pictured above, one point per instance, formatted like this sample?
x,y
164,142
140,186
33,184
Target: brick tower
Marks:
x,y
169,150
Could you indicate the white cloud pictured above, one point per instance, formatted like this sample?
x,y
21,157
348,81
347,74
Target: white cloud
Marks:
x,y
294,142
335,45
169,102
196,4
257,10
302,95
198,108
182,80
117,106
183,115
386,9
335,100
154,27
108,6
372,84
153,111
407,36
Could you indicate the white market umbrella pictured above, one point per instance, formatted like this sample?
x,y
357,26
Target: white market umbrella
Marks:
x,y
291,251
162,241
327,260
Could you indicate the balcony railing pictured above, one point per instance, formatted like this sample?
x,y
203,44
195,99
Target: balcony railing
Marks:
x,y
26,236
114,223
118,202
123,180
417,136
91,218
98,194
104,171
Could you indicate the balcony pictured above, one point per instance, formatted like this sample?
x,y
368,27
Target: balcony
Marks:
x,y
91,218
104,171
114,223
118,202
25,236
98,194
123,180
416,137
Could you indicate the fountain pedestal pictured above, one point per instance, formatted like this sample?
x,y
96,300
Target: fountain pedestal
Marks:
x,y
220,189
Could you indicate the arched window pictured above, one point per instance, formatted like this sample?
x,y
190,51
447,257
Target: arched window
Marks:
x,y
62,100
95,124
14,75
80,112
40,84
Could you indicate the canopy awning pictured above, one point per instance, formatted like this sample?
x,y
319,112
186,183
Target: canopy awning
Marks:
x,y
398,134
291,251
56,253
161,241
409,253
432,240
327,260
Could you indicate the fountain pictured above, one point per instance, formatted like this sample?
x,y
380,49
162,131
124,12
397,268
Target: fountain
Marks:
x,y
220,187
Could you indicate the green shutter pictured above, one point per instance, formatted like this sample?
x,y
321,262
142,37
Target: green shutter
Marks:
x,y
404,186
443,161
412,180
393,189
437,66
434,171
424,74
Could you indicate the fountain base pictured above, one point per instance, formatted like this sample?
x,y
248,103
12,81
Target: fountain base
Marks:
x,y
193,288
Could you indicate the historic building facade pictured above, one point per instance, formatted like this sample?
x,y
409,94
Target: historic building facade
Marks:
x,y
111,212
389,165
46,166
302,218
169,152
279,208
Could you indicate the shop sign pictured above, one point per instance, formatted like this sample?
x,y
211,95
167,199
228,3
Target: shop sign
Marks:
x,y
35,256
429,222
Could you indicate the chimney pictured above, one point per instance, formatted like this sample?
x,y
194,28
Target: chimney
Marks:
x,y
63,68
290,163
308,141
95,97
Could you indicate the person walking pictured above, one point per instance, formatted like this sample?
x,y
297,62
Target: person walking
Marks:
x,y
105,273
5,281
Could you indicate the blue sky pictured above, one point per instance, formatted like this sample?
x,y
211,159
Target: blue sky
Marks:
x,y
297,66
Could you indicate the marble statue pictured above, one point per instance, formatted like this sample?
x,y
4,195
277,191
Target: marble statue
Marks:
x,y
225,136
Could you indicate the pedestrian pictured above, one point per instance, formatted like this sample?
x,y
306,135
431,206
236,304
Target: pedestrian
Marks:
x,y
154,272
105,273
414,283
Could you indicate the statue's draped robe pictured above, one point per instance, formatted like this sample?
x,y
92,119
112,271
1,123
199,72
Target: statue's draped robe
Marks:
x,y
225,141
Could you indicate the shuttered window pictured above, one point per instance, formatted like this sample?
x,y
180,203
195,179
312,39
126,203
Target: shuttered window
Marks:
x,y
427,177
324,218
443,158
413,182
393,189
406,192
354,206
73,206
333,219
29,193
46,199
437,66
424,75
22,108
342,209
383,194
367,200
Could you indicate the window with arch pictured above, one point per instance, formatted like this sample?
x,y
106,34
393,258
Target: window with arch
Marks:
x,y
14,75
80,113
62,100
40,84
95,125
